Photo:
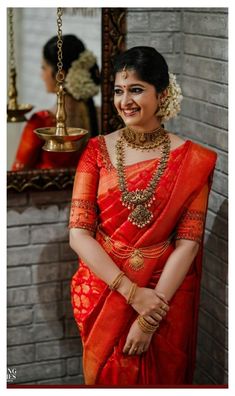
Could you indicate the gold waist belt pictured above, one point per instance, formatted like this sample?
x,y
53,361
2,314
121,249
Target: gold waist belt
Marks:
x,y
136,255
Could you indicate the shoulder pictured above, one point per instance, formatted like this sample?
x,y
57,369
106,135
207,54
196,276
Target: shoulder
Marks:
x,y
38,119
199,157
88,156
176,140
202,159
91,146
41,116
198,149
107,140
112,135
203,151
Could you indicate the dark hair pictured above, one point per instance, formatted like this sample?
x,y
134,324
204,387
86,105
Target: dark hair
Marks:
x,y
72,47
147,62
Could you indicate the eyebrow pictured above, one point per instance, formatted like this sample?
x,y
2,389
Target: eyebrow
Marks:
x,y
131,85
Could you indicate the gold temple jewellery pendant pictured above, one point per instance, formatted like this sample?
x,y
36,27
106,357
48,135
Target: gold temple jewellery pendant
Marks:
x,y
136,261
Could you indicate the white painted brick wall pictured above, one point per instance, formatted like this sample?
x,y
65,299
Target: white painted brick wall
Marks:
x,y
43,340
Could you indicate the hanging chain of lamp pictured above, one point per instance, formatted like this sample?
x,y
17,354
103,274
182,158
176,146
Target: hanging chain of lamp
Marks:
x,y
15,112
61,138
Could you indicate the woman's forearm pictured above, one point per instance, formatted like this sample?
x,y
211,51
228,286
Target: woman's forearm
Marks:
x,y
176,267
96,258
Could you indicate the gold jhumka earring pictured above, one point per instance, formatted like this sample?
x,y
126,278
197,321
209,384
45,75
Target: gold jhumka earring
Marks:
x,y
61,138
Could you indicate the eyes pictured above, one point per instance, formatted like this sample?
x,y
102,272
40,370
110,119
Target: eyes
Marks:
x,y
134,90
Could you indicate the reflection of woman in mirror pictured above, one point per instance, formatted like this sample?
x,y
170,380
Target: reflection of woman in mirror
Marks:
x,y
81,83
137,224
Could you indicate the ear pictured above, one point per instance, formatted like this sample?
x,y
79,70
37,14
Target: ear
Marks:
x,y
164,94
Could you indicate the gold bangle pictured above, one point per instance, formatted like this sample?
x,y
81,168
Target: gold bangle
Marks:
x,y
146,329
147,323
146,326
131,293
116,282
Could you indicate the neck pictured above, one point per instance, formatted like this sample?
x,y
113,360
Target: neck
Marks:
x,y
145,129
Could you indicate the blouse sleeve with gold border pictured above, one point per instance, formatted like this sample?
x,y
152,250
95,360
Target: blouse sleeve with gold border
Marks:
x,y
191,224
83,213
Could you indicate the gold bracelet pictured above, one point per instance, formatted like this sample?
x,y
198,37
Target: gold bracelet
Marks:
x,y
131,293
145,326
116,282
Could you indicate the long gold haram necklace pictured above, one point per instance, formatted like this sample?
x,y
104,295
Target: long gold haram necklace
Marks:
x,y
139,200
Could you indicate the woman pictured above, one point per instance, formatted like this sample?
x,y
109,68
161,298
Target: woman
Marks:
x,y
81,83
137,222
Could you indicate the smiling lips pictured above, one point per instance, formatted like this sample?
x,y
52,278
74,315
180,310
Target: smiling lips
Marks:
x,y
130,112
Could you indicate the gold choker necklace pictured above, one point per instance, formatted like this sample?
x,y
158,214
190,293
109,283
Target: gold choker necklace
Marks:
x,y
144,140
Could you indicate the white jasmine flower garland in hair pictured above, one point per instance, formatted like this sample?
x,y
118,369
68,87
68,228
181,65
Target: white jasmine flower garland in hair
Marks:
x,y
170,105
78,81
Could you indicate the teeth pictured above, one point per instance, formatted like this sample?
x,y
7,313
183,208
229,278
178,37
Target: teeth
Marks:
x,y
130,111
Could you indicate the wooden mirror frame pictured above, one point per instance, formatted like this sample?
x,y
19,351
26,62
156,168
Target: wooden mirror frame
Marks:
x,y
113,22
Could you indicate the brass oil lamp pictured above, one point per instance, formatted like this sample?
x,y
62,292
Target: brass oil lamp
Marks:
x,y
61,138
15,112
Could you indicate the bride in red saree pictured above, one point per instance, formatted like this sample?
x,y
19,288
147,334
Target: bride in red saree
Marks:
x,y
163,257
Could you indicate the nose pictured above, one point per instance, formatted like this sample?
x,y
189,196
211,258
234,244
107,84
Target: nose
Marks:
x,y
126,99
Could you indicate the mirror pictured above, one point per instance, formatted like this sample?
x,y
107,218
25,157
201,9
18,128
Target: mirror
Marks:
x,y
109,27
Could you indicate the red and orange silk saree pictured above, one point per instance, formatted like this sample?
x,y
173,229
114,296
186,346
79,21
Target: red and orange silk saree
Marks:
x,y
103,316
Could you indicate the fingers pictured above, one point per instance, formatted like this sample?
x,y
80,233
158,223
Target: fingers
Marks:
x,y
141,349
161,312
153,318
158,312
134,349
162,297
165,307
162,304
150,301
126,348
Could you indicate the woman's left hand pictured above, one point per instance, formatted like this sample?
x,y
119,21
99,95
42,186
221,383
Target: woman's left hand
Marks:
x,y
137,341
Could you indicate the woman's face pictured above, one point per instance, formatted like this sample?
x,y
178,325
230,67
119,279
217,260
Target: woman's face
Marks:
x,y
48,77
136,101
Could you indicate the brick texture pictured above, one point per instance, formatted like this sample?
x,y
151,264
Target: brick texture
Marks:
x,y
44,344
194,42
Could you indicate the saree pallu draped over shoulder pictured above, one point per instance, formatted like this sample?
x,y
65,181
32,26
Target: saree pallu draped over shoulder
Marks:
x,y
103,316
